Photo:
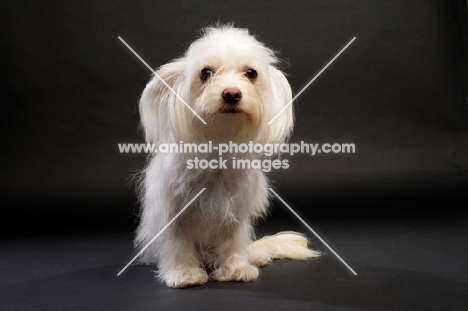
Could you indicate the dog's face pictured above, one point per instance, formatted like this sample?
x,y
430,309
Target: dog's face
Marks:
x,y
229,79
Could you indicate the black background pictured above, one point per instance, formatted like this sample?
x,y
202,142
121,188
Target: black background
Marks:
x,y
69,93
70,90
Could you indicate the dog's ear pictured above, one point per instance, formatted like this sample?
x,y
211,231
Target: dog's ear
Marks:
x,y
281,95
161,112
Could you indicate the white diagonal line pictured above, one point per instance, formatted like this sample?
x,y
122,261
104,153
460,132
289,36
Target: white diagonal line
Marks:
x,y
310,82
312,230
162,81
159,233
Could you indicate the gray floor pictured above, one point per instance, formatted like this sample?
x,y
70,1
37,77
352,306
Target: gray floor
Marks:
x,y
416,264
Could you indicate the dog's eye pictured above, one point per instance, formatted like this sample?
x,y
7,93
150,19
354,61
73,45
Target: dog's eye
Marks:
x,y
251,74
205,74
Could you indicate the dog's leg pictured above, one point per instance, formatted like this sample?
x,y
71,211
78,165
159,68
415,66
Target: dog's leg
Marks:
x,y
233,258
179,265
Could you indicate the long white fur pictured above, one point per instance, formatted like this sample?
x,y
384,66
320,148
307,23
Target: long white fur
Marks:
x,y
216,231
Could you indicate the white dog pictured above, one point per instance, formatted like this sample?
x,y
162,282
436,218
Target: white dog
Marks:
x,y
230,80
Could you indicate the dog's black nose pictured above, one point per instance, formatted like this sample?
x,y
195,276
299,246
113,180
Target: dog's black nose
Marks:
x,y
232,95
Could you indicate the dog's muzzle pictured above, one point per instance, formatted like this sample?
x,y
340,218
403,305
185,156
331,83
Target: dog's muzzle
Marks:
x,y
231,97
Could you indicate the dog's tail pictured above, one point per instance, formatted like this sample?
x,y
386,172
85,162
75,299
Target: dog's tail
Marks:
x,y
283,245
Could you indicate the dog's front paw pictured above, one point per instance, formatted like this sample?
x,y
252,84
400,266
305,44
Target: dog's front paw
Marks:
x,y
181,278
244,273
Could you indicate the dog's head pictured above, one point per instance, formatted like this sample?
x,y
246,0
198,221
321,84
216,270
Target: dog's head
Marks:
x,y
230,80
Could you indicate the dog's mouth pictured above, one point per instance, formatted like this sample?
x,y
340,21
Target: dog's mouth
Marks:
x,y
231,109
